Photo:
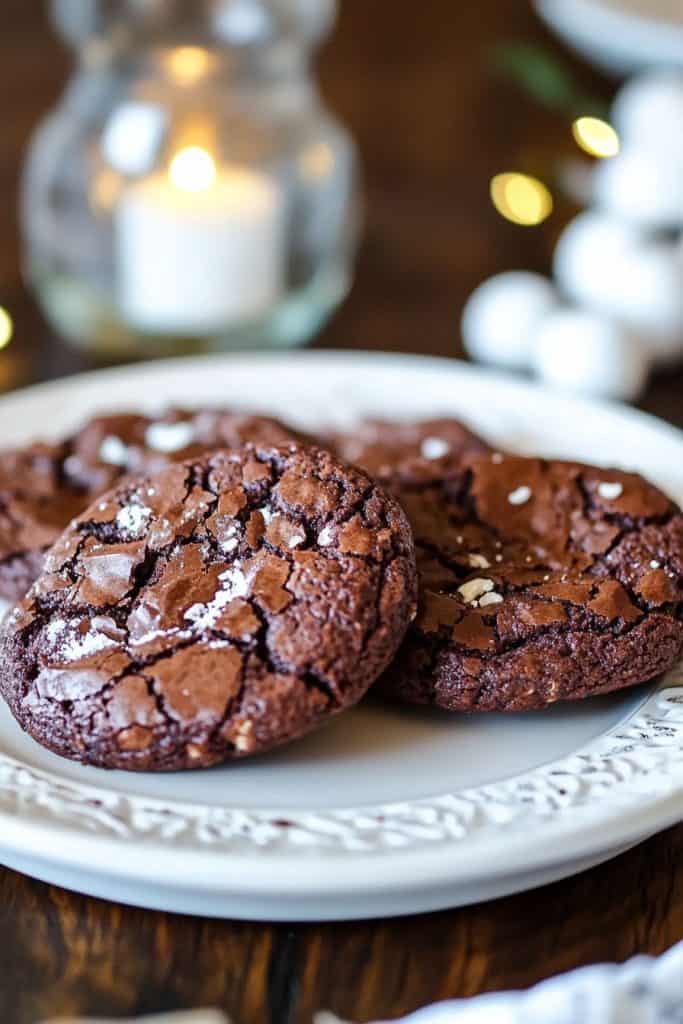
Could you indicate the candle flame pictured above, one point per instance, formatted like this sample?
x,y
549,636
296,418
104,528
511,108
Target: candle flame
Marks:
x,y
192,169
520,198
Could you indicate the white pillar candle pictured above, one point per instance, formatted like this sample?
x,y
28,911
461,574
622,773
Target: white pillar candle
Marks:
x,y
199,248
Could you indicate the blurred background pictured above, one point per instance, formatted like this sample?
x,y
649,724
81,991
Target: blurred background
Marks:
x,y
477,132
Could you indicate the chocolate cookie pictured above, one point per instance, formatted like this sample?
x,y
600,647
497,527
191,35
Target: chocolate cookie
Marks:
x,y
43,486
108,446
35,506
539,581
213,610
383,446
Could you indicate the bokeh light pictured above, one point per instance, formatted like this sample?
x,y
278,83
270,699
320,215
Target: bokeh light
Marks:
x,y
595,136
187,64
6,328
192,169
520,198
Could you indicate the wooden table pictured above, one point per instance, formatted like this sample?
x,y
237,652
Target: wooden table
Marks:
x,y
434,122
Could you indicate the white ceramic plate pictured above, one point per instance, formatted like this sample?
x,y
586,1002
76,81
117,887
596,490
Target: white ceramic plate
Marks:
x,y
619,35
388,810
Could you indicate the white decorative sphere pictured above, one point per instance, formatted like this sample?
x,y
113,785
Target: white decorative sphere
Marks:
x,y
585,353
606,265
648,112
588,242
501,314
642,187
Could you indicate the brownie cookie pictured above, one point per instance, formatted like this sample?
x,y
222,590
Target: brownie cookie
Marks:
x,y
383,446
108,446
539,581
43,486
213,610
35,506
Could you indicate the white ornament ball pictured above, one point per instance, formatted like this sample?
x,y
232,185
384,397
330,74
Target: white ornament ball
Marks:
x,y
588,354
589,241
648,112
641,187
607,266
501,314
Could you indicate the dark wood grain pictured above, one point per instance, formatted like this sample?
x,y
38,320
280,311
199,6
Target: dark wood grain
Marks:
x,y
433,123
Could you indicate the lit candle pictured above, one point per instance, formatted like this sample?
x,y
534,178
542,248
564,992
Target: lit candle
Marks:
x,y
199,248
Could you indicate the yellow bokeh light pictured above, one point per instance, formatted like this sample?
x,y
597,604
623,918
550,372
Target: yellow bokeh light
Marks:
x,y
520,198
6,328
187,64
595,136
192,169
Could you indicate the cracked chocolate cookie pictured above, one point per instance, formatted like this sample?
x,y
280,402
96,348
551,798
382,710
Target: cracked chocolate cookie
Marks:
x,y
383,446
212,610
538,581
43,486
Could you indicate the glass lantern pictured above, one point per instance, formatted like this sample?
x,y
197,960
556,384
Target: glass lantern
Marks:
x,y
190,190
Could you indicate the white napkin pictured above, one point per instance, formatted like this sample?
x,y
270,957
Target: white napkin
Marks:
x,y
643,991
